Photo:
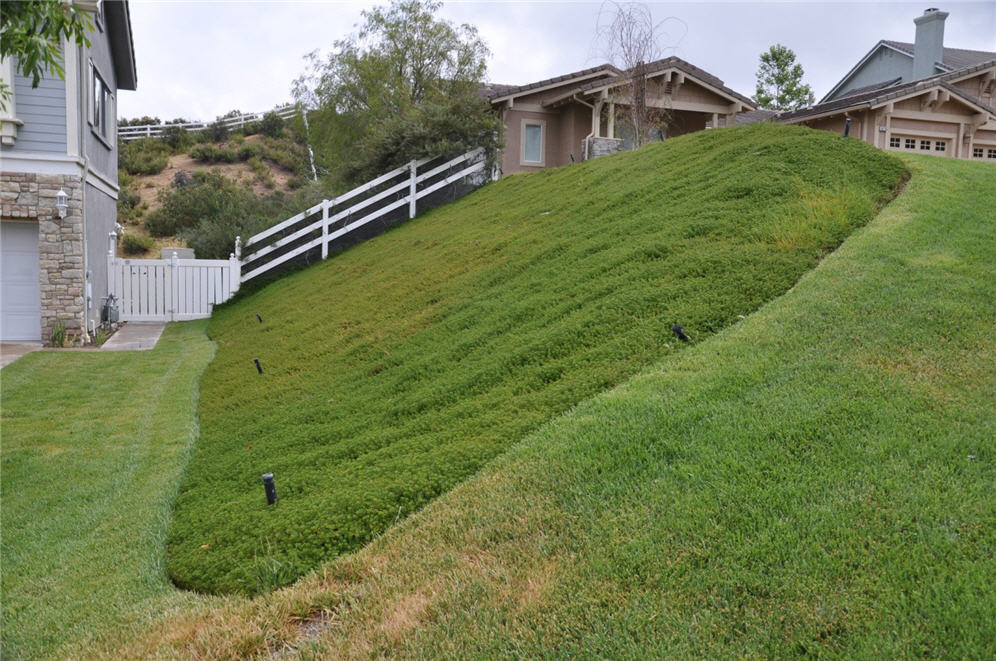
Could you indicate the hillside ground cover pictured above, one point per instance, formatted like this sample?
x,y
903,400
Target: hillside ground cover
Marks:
x,y
813,481
906,305
397,369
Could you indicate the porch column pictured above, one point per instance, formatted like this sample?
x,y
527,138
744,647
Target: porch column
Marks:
x,y
612,119
596,119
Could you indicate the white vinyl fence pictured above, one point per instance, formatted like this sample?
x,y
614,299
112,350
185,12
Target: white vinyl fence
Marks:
x,y
181,289
319,226
170,289
156,130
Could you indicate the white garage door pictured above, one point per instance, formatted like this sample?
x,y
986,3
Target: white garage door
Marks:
x,y
20,292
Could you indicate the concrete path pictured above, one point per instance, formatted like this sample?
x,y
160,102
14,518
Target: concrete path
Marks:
x,y
135,336
11,351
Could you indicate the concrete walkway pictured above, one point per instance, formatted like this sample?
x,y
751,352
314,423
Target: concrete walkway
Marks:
x,y
135,336
132,336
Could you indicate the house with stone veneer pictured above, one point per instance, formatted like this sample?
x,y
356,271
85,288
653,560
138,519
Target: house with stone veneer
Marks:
x,y
61,136
584,114
919,97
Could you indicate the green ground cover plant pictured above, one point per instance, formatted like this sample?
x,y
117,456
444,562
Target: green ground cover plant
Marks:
x,y
815,480
93,447
397,369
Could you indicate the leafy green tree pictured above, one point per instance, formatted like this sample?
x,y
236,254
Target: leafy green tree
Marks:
x,y
382,95
32,33
779,81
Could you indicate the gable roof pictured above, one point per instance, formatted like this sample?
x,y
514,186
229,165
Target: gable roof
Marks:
x,y
954,59
876,97
654,68
504,92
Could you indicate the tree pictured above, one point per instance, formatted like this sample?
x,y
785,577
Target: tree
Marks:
x,y
630,39
32,33
384,94
779,81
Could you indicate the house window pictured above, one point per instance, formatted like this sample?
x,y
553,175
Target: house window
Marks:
x,y
978,152
991,153
895,142
101,106
925,145
910,143
940,145
532,142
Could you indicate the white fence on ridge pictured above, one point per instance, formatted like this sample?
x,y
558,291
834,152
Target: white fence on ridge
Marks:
x,y
170,289
382,198
156,130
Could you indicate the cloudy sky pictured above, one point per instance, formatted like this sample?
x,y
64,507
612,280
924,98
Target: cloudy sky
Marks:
x,y
200,59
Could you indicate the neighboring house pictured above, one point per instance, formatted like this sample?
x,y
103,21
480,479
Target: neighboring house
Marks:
x,y
918,97
582,115
61,137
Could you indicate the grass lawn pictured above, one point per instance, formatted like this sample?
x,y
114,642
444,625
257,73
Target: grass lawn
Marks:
x,y
93,447
816,480
399,368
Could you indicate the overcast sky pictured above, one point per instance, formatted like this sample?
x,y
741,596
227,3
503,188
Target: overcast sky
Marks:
x,y
200,59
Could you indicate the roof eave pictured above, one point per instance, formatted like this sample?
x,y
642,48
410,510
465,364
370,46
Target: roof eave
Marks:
x,y
122,45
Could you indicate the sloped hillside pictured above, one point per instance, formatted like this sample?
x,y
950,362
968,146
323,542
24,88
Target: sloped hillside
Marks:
x,y
397,369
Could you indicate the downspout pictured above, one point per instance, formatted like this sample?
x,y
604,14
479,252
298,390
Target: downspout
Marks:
x,y
592,133
81,91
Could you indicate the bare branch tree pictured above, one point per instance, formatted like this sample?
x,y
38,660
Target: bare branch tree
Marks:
x,y
630,39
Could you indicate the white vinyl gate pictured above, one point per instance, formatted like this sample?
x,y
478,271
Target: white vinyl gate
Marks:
x,y
171,289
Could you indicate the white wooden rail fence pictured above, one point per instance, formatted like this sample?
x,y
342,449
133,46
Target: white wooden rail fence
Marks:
x,y
169,289
156,130
182,289
323,223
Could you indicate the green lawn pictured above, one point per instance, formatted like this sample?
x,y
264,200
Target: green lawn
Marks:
x,y
397,369
93,448
815,480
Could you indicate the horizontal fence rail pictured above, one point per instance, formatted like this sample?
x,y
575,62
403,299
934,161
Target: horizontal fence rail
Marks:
x,y
391,196
156,130
170,289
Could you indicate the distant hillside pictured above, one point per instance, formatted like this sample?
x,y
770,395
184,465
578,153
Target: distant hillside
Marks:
x,y
267,167
397,369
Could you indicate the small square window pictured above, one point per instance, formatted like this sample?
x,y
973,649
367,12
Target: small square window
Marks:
x,y
910,143
940,145
978,152
895,142
991,153
925,145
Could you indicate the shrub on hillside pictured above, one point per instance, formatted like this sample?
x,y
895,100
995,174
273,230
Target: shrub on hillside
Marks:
x,y
208,153
177,138
272,125
132,244
146,156
209,197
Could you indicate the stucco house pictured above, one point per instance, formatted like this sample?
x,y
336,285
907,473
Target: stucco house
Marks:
x,y
582,114
61,137
919,97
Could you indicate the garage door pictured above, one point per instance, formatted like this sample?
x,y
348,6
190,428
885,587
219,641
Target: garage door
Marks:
x,y
20,292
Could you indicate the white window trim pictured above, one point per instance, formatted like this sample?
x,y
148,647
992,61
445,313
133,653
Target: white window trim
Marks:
x,y
522,143
110,114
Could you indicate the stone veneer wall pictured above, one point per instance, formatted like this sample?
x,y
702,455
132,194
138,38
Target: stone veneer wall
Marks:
x,y
602,147
31,197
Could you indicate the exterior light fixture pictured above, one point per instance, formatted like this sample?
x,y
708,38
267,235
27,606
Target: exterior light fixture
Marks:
x,y
62,203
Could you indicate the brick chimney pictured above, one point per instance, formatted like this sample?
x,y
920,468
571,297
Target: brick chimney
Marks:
x,y
929,46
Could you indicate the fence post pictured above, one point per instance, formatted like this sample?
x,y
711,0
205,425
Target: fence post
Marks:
x,y
173,294
325,229
112,253
411,191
